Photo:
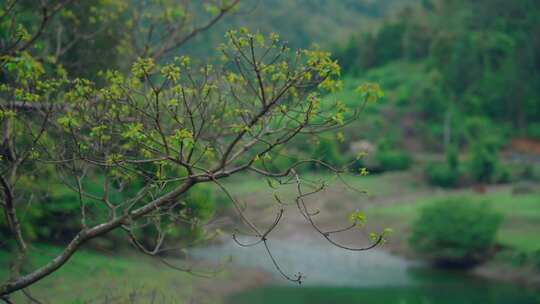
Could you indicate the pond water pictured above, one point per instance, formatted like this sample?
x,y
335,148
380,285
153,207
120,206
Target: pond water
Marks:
x,y
338,276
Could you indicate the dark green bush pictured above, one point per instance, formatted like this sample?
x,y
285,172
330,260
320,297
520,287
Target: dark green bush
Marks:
x,y
199,207
442,175
185,223
533,131
447,174
327,150
502,174
483,163
528,172
455,231
484,139
535,259
393,160
484,166
283,161
53,217
199,203
388,43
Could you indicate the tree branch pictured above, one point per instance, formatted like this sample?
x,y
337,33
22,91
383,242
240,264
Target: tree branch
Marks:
x,y
85,235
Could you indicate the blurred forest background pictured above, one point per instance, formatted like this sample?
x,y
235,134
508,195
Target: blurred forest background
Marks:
x,y
452,150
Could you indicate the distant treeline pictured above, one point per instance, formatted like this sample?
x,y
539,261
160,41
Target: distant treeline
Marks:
x,y
481,58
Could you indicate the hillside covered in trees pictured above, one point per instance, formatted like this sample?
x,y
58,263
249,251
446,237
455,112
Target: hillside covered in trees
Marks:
x,y
305,22
451,61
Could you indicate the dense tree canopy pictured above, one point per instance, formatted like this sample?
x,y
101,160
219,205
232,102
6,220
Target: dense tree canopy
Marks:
x,y
105,129
477,55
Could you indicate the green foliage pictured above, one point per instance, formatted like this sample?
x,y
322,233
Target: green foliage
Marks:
x,y
388,43
535,257
130,137
417,40
393,160
455,230
442,175
452,157
199,203
481,65
327,150
533,131
447,174
529,172
518,258
483,165
388,157
368,50
484,144
184,223
55,215
282,161
304,22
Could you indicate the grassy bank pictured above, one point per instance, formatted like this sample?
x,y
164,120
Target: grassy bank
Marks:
x,y
95,277
521,215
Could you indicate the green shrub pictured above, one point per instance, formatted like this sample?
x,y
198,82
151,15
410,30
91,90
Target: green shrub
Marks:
x,y
535,259
282,161
50,222
484,166
185,223
199,203
199,207
447,174
483,163
533,131
528,172
327,150
388,45
502,174
393,160
442,175
455,231
484,139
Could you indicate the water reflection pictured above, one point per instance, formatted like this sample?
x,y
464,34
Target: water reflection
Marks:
x,y
322,263
338,276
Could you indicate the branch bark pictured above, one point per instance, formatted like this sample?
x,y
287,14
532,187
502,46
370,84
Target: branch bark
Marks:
x,y
15,227
84,235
